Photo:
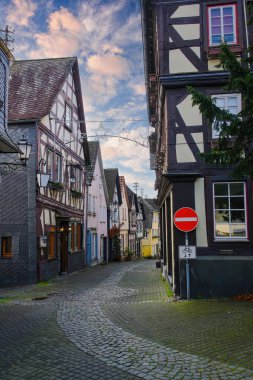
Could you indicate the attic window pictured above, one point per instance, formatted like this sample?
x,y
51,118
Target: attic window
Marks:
x,y
68,116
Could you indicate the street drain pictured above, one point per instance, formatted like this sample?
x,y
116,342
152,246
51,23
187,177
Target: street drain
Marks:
x,y
40,298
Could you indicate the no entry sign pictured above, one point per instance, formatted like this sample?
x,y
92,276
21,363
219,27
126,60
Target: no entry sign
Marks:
x,y
186,219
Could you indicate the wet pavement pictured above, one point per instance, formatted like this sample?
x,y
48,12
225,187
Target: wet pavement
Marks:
x,y
115,321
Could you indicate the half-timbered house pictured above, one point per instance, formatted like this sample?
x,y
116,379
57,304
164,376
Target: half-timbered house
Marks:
x,y
181,46
150,240
97,205
45,223
140,217
115,200
133,208
124,217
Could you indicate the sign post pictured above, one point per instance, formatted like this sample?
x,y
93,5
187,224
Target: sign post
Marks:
x,y
186,220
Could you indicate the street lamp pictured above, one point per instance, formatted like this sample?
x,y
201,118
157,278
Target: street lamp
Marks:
x,y
25,149
24,152
42,178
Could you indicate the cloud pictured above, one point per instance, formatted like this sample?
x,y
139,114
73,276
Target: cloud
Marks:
x,y
112,49
138,88
62,38
107,64
20,11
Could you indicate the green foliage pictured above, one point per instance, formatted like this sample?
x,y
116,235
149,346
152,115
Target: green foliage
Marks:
x,y
235,143
168,289
5,299
128,252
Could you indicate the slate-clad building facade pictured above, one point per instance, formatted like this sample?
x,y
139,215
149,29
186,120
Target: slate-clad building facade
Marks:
x,y
181,46
45,224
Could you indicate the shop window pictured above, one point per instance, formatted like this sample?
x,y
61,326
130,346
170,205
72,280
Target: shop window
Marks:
x,y
75,237
6,247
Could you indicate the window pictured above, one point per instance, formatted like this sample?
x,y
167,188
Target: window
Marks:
x,y
6,246
50,163
68,116
75,237
229,102
58,168
94,205
90,204
230,220
222,25
75,178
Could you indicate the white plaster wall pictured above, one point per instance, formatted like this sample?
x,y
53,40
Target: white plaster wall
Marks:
x,y
178,63
98,191
190,114
183,152
187,11
200,208
188,31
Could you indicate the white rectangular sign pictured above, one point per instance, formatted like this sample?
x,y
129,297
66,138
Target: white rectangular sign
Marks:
x,y
187,252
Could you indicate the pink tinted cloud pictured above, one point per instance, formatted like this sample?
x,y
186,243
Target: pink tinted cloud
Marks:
x,y
63,37
20,11
111,65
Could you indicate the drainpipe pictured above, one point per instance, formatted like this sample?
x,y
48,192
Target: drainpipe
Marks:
x,y
245,21
85,219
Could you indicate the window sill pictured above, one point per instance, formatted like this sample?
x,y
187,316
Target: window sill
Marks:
x,y
231,240
8,257
76,193
214,51
56,185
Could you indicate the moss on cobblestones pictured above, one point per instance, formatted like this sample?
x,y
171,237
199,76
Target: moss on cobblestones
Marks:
x,y
168,289
219,330
5,300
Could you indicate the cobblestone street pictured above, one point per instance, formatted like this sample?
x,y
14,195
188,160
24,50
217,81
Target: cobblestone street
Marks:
x,y
116,322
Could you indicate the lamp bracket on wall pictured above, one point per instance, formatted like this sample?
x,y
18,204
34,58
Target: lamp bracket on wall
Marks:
x,y
23,155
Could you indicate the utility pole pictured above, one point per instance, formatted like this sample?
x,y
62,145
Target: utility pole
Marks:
x,y
6,36
136,187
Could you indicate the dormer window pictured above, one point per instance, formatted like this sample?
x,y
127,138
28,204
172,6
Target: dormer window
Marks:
x,y
222,25
68,116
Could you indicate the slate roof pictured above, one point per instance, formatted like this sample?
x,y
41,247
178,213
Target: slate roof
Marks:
x,y
33,86
93,149
149,206
112,179
132,195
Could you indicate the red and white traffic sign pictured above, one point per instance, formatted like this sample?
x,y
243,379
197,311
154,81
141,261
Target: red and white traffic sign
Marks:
x,y
186,219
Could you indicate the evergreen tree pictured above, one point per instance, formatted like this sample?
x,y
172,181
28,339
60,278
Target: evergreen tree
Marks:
x,y
235,142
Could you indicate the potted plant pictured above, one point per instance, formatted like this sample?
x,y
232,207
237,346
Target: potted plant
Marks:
x,y
129,254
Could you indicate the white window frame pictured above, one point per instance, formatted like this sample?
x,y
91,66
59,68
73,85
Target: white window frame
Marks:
x,y
222,7
230,238
215,132
68,116
58,167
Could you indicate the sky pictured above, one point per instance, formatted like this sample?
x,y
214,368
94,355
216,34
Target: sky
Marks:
x,y
106,37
